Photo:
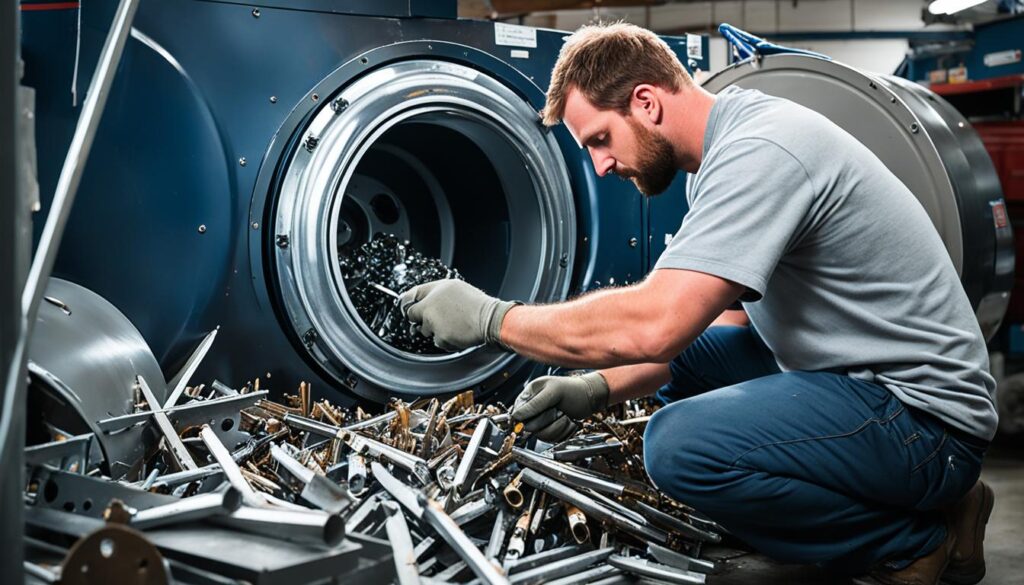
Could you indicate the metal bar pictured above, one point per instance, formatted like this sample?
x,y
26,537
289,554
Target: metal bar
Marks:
x,y
15,242
672,523
592,508
420,506
174,479
401,492
463,546
543,558
575,454
462,473
407,461
42,573
497,539
588,576
679,560
308,527
569,475
181,379
186,509
318,490
117,423
230,468
178,450
401,545
645,568
561,568
78,445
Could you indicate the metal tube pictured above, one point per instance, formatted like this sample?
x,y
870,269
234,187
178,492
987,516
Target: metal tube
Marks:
x,y
577,523
306,527
148,482
561,568
514,495
462,473
356,474
186,509
229,467
645,568
591,507
387,416
223,389
302,423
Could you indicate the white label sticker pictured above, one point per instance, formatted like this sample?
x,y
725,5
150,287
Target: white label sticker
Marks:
x,y
1002,58
694,49
458,70
519,54
513,35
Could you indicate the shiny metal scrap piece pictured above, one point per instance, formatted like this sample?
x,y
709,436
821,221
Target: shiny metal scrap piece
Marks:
x,y
457,489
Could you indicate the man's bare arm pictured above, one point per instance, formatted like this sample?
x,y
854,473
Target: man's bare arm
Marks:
x,y
649,322
636,381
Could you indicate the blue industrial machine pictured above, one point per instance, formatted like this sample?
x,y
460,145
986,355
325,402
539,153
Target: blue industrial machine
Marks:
x,y
244,145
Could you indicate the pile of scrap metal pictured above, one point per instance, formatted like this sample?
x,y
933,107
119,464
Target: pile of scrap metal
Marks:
x,y
308,492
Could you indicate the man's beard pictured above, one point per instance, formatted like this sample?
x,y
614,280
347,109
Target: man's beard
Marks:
x,y
656,164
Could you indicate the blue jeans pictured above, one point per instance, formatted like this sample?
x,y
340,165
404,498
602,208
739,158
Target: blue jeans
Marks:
x,y
807,467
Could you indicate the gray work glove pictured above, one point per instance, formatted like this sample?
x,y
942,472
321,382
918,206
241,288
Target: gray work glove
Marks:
x,y
549,405
455,313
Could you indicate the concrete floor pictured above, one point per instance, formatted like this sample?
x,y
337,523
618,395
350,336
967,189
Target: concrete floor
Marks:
x,y
1004,540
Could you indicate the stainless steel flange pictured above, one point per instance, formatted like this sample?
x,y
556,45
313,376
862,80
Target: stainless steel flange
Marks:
x,y
408,110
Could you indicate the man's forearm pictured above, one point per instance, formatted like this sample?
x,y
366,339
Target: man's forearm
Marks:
x,y
649,322
600,329
636,381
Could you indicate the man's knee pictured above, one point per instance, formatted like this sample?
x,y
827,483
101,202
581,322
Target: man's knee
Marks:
x,y
673,451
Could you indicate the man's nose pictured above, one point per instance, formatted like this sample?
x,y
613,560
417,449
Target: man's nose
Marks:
x,y
603,164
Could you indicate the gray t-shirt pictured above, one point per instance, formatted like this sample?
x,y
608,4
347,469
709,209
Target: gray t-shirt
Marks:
x,y
842,266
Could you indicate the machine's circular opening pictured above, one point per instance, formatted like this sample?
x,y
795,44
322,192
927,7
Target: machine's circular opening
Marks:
x,y
430,166
451,185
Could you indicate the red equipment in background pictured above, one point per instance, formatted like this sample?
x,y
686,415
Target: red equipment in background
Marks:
x,y
1004,141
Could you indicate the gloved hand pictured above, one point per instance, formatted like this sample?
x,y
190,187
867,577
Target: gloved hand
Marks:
x,y
455,313
548,405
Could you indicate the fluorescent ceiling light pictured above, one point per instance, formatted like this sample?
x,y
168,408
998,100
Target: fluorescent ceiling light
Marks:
x,y
952,6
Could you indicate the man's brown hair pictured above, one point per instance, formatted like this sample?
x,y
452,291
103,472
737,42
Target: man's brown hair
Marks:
x,y
605,62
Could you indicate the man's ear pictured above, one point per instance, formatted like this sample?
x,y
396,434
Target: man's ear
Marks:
x,y
646,102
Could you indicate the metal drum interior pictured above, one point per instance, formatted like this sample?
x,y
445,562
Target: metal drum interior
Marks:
x,y
440,155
